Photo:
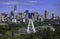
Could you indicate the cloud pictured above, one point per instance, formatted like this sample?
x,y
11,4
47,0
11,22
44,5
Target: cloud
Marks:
x,y
34,2
57,5
10,3
30,3
19,3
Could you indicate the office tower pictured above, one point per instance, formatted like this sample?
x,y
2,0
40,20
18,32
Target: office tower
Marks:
x,y
26,11
58,18
0,18
46,14
11,15
39,17
25,16
15,13
53,16
42,18
19,17
30,15
36,16
3,15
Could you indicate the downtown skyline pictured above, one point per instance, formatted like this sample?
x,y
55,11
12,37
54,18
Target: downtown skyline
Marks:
x,y
52,6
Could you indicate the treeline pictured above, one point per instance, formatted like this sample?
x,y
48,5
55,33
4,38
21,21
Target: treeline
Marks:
x,y
7,32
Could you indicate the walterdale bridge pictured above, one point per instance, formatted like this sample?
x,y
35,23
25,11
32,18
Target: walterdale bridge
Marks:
x,y
31,29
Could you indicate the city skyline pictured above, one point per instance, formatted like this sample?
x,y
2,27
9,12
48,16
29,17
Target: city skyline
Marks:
x,y
52,6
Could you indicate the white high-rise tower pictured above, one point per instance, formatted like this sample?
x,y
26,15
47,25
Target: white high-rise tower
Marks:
x,y
14,17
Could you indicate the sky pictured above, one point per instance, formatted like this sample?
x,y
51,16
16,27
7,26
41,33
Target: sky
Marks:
x,y
52,6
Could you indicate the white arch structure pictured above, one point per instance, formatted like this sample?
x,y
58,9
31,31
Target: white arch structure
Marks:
x,y
32,25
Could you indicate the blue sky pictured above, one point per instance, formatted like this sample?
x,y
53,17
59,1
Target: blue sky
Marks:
x,y
52,6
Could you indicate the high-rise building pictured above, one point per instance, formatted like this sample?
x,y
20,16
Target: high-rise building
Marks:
x,y
26,11
11,14
15,13
3,15
42,18
39,17
36,16
53,15
0,18
46,14
25,15
15,7
19,17
58,18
